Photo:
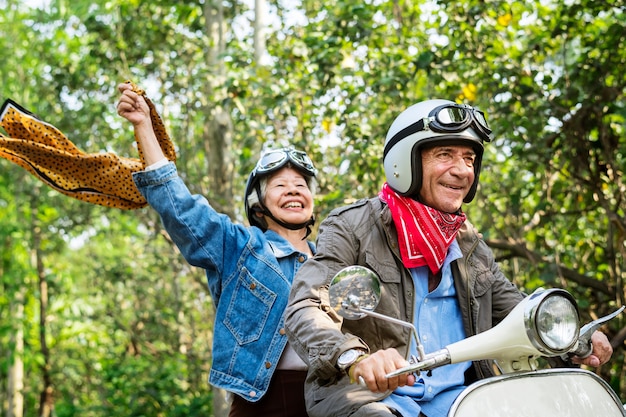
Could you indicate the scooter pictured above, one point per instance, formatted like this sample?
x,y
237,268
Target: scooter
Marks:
x,y
544,324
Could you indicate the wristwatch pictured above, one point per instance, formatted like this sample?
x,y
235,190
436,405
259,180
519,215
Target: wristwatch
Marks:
x,y
349,357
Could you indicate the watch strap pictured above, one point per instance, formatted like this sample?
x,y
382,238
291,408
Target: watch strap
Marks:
x,y
350,369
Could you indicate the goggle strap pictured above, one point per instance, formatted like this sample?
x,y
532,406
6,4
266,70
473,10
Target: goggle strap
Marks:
x,y
418,126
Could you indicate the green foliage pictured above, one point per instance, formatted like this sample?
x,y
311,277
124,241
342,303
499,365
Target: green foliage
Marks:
x,y
129,323
135,386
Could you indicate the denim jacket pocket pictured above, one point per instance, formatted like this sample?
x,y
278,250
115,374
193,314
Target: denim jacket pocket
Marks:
x,y
249,308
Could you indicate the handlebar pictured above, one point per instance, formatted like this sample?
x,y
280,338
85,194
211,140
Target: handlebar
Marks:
x,y
583,348
430,361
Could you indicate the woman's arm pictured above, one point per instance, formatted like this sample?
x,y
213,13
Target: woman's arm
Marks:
x,y
133,107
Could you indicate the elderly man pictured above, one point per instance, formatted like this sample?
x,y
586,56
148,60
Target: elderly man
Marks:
x,y
435,270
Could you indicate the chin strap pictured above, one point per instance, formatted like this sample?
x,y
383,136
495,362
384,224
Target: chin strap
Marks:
x,y
291,226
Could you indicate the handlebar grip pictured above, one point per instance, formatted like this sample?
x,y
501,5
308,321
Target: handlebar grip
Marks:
x,y
583,349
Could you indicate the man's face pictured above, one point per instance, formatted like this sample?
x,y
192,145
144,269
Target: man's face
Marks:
x,y
447,176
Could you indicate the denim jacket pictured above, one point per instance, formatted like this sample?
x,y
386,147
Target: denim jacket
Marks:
x,y
249,275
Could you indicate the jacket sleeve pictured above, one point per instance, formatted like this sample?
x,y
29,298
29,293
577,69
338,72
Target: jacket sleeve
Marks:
x,y
313,327
204,236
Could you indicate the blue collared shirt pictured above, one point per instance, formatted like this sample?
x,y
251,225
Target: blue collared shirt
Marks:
x,y
438,322
249,273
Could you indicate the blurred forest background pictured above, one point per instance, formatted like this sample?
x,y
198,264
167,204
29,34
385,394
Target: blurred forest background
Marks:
x,y
100,315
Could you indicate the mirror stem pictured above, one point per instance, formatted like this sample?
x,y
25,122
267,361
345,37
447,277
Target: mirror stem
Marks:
x,y
420,348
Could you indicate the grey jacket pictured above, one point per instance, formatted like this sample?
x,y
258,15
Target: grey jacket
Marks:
x,y
363,234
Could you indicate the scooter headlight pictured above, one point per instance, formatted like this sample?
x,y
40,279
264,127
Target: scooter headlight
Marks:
x,y
552,321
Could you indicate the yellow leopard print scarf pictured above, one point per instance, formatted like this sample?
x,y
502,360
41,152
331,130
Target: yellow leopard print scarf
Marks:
x,y
99,178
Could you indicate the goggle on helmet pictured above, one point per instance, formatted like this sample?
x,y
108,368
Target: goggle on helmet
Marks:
x,y
270,162
431,122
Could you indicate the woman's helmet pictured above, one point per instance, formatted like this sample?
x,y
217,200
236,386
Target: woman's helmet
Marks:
x,y
270,162
431,122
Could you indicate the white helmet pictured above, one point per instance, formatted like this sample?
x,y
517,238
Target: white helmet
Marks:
x,y
431,122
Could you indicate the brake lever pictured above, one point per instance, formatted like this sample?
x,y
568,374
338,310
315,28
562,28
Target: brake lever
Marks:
x,y
584,347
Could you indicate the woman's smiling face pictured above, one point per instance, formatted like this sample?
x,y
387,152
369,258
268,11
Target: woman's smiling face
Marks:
x,y
288,198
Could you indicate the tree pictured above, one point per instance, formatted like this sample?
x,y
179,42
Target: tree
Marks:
x,y
128,323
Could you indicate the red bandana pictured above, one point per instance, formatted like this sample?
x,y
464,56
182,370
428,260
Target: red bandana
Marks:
x,y
424,234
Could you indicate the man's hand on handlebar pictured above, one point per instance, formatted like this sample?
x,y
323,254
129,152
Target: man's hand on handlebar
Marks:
x,y
372,371
602,351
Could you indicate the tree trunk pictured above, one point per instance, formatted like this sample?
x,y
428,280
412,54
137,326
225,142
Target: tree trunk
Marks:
x,y
221,405
46,400
260,10
217,140
15,383
218,131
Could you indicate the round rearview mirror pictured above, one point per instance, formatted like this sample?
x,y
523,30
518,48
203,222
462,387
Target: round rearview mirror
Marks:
x,y
354,291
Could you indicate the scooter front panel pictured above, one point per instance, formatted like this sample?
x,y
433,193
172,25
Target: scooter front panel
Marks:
x,y
545,393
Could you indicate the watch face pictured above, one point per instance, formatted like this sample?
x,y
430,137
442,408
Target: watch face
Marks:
x,y
347,358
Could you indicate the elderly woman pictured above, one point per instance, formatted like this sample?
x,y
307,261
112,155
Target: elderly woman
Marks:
x,y
249,269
